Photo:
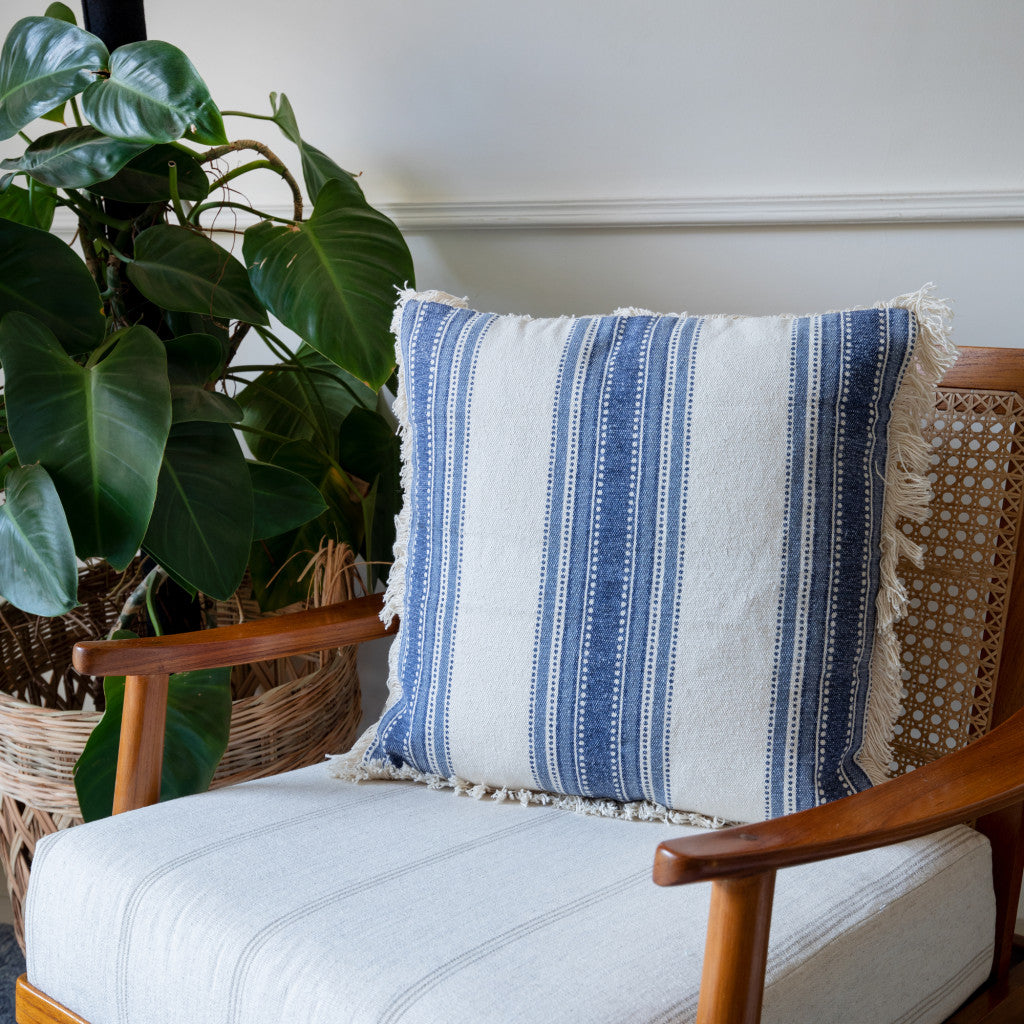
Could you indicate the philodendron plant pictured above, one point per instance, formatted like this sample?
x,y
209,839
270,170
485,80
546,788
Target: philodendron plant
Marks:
x,y
123,401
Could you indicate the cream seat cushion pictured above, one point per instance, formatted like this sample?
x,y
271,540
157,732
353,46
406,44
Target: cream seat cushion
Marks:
x,y
303,899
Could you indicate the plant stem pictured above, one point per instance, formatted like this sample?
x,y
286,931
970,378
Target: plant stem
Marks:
x,y
297,409
84,208
105,243
275,344
151,585
259,147
102,349
88,242
75,111
240,331
354,492
253,165
243,113
172,181
25,138
203,207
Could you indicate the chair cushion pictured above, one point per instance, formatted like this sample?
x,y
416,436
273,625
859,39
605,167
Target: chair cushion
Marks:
x,y
653,558
300,898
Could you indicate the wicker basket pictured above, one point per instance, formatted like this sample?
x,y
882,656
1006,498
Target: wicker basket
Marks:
x,y
286,713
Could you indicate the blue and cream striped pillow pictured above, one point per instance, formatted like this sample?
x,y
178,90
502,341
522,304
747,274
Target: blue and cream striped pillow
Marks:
x,y
648,563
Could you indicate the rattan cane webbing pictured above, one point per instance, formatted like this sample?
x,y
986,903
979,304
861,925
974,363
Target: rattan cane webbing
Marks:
x,y
952,634
286,713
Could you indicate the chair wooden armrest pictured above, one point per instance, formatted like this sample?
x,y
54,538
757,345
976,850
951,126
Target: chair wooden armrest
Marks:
x,y
984,779
147,663
986,776
336,625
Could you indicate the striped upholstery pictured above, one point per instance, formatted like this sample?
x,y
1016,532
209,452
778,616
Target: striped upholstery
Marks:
x,y
303,899
641,554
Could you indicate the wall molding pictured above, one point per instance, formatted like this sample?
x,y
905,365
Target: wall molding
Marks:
x,y
974,206
751,211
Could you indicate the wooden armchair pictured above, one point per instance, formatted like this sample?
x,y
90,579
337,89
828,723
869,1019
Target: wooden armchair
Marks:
x,y
975,706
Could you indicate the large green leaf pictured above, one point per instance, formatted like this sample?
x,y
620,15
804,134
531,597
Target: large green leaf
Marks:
x,y
195,358
61,12
74,157
301,402
276,562
182,270
153,94
317,167
32,206
282,500
146,179
44,62
332,280
42,276
99,431
195,738
369,449
191,362
38,571
202,521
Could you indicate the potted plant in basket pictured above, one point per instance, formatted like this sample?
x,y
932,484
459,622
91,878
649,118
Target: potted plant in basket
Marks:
x,y
127,391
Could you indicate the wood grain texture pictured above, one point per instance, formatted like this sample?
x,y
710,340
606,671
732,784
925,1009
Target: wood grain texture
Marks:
x,y
989,369
736,951
34,1007
983,778
337,625
141,750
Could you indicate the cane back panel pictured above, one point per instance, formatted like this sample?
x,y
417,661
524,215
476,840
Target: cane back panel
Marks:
x,y
953,631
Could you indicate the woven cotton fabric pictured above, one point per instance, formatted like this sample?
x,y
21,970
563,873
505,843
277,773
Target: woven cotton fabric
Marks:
x,y
642,555
302,899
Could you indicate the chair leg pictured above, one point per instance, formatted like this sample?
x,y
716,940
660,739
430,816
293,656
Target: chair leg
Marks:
x,y
736,950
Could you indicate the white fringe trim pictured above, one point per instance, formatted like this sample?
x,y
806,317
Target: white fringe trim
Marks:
x,y
394,594
907,496
350,768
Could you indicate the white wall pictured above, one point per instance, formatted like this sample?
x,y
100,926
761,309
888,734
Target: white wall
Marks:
x,y
448,102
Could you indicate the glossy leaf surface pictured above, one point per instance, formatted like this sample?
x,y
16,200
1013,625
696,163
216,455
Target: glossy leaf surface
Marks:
x,y
181,270
332,280
276,562
61,12
44,62
41,275
369,449
99,432
153,94
146,178
191,363
317,167
195,738
302,402
282,500
38,571
202,520
33,206
74,157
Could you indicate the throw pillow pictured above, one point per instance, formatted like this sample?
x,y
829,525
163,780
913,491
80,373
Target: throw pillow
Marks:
x,y
647,564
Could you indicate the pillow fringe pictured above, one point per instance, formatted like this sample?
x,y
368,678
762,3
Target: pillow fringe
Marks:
x,y
907,496
395,592
350,768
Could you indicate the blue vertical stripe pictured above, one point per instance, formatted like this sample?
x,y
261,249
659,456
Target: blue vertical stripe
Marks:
x,y
612,558
792,543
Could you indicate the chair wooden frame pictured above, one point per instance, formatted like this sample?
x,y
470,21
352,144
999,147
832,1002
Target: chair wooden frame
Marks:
x,y
983,782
